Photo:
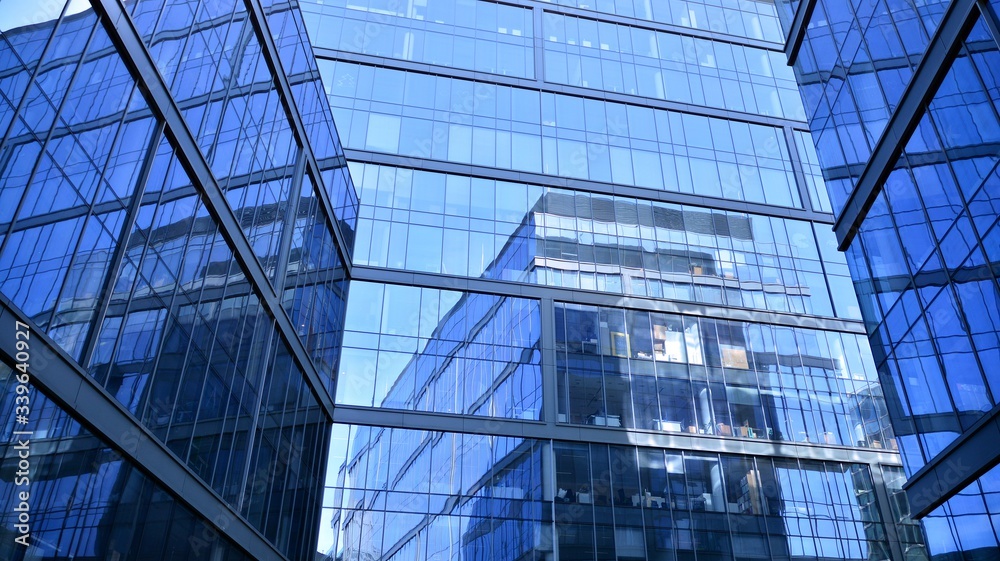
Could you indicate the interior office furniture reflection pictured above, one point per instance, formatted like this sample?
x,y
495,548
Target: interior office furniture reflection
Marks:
x,y
666,372
441,495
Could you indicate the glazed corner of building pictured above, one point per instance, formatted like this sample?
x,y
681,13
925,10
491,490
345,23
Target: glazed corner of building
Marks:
x,y
899,224
153,356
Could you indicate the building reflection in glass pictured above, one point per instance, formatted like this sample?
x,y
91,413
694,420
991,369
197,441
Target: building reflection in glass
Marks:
x,y
85,500
439,350
666,372
429,222
435,495
108,246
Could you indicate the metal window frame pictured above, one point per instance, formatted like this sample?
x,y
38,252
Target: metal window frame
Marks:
x,y
58,376
137,57
957,21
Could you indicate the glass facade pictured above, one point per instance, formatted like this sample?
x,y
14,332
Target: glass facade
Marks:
x,y
922,238
597,311
441,495
177,233
743,18
424,349
674,67
633,369
439,223
471,35
93,502
426,116
585,303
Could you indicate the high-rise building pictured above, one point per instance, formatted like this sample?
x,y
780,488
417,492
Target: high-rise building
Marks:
x,y
175,212
596,309
902,99
596,306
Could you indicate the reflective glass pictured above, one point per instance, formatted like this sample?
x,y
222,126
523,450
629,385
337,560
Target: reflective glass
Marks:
x,y
632,60
929,270
88,501
854,64
467,34
967,522
438,223
442,351
750,19
107,244
525,130
665,372
435,494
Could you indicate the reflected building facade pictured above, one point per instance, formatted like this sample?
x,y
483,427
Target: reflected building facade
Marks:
x,y
175,226
902,99
597,311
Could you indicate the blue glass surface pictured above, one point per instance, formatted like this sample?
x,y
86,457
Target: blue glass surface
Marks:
x,y
108,246
431,117
288,28
442,351
468,34
666,372
430,493
674,67
750,19
87,501
923,258
966,525
854,63
439,223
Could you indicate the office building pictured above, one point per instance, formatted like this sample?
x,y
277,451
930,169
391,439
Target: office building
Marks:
x,y
595,310
596,306
175,212
902,100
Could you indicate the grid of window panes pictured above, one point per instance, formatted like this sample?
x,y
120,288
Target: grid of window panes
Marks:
x,y
109,498
444,351
432,117
288,29
786,13
872,51
186,347
467,34
925,256
422,494
55,270
812,172
666,372
440,494
443,223
223,85
315,294
670,66
751,19
925,259
108,246
238,137
966,526
911,537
